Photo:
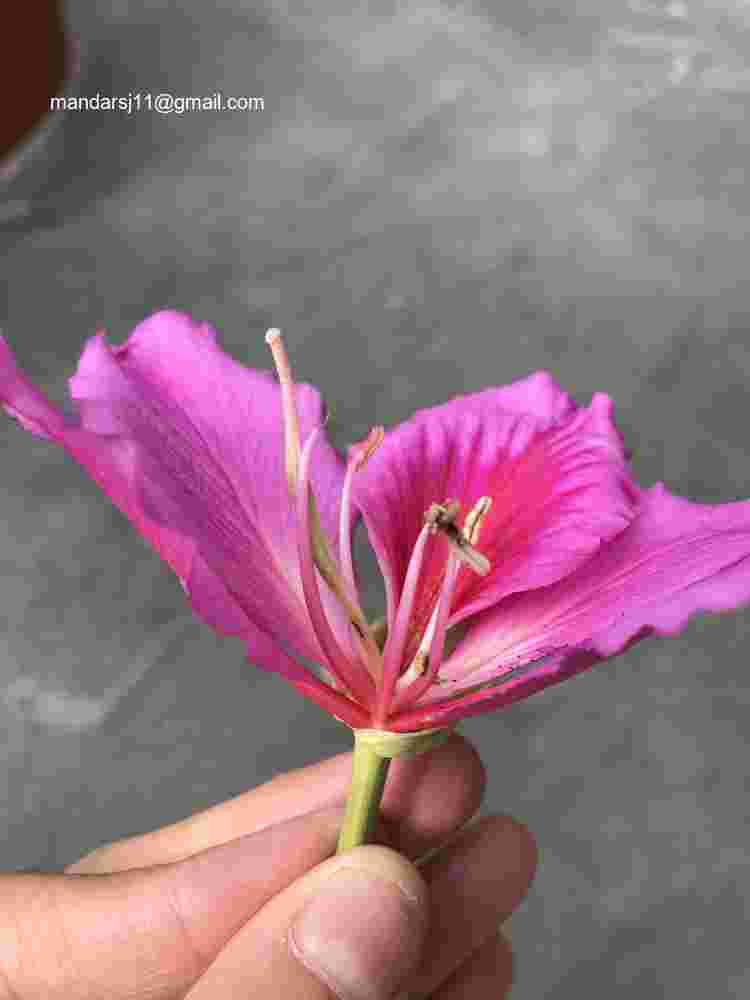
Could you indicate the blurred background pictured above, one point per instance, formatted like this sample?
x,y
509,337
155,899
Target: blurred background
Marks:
x,y
436,198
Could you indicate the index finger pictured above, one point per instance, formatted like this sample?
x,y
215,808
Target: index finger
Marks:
x,y
426,799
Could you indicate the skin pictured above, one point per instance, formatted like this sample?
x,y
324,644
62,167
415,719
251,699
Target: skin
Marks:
x,y
202,908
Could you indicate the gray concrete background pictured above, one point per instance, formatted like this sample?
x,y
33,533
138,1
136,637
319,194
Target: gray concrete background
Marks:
x,y
438,197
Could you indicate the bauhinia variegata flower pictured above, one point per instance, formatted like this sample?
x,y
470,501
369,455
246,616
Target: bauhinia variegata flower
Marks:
x,y
515,545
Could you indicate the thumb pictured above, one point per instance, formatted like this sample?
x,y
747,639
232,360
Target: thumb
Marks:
x,y
354,926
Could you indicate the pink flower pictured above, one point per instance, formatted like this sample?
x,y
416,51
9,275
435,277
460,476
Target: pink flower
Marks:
x,y
515,546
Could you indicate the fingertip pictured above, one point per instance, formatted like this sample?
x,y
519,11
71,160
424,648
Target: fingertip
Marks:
x,y
387,864
362,927
469,760
528,848
514,843
488,972
431,796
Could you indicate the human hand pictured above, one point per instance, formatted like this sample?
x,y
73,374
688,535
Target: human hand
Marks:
x,y
203,908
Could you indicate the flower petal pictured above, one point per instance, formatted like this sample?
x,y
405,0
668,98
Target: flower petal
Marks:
x,y
557,476
676,558
212,601
111,462
449,711
189,443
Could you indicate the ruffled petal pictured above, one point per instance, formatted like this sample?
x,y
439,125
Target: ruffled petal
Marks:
x,y
382,488
676,558
189,444
556,474
21,399
111,462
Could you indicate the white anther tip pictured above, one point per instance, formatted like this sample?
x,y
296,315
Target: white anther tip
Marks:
x,y
273,335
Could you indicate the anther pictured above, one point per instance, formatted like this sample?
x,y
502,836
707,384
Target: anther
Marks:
x,y
364,450
475,517
442,517
420,662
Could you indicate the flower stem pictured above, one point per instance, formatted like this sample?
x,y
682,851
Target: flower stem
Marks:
x,y
369,772
373,750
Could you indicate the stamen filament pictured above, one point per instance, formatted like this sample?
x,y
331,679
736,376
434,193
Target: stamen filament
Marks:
x,y
419,664
504,692
335,702
350,672
396,641
359,455
345,541
429,657
362,631
420,684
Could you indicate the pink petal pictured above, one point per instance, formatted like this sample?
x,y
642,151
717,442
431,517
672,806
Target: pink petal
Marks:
x,y
266,653
676,558
557,668
111,463
189,444
557,476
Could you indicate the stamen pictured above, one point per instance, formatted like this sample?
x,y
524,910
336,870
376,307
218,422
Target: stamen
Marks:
x,y
321,690
421,661
348,711
423,669
416,669
396,641
475,517
367,448
358,456
349,672
441,517
291,418
434,641
379,629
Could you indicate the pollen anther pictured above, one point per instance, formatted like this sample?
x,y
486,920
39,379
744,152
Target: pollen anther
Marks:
x,y
473,522
420,662
367,448
442,517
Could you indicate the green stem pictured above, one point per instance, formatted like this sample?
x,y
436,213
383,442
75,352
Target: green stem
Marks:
x,y
369,772
373,750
